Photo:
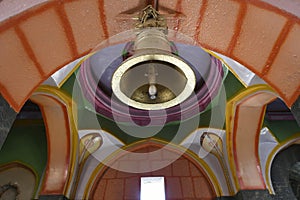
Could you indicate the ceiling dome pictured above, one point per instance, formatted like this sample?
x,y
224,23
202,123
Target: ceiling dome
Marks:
x,y
96,74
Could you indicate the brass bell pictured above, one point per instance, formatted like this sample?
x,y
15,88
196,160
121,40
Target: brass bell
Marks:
x,y
153,77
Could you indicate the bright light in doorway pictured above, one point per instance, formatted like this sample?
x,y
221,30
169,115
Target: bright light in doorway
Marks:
x,y
153,188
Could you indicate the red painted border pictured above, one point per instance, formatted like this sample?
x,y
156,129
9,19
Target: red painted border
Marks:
x,y
103,19
29,50
276,48
238,27
60,11
49,136
236,159
198,24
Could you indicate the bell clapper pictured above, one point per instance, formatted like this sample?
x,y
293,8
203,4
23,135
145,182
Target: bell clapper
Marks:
x,y
152,90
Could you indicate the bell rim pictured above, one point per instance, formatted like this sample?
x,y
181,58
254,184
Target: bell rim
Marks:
x,y
154,56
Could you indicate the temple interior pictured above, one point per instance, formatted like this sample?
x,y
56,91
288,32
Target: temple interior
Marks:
x,y
189,99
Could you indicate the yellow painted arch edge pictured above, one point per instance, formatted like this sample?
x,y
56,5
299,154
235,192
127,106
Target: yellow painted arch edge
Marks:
x,y
230,114
72,117
202,163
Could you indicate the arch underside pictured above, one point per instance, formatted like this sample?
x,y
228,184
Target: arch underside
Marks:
x,y
40,40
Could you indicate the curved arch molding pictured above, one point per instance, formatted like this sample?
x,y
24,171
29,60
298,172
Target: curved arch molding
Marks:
x,y
62,139
174,149
245,114
39,39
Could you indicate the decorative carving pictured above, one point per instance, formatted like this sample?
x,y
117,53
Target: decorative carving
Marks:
x,y
149,17
89,144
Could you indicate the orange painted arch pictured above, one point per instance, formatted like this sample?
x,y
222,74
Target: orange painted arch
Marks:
x,y
41,39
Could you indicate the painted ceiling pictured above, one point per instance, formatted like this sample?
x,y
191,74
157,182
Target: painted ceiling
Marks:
x,y
65,133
